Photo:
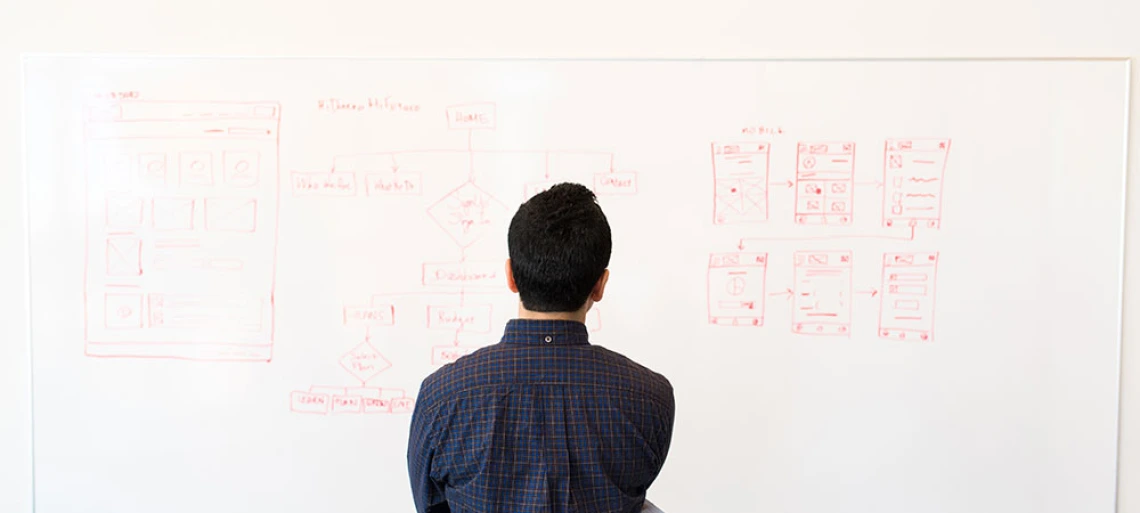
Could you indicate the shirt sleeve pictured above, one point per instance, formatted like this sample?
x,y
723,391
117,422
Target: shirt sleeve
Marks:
x,y
667,418
426,492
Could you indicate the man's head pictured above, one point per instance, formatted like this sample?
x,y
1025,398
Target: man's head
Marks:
x,y
559,245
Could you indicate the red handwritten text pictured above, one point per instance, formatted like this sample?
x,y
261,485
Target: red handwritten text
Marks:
x,y
385,104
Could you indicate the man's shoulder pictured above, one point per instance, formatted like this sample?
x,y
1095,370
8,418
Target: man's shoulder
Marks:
x,y
636,374
609,366
456,375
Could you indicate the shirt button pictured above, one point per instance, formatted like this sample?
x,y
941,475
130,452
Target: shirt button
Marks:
x,y
548,339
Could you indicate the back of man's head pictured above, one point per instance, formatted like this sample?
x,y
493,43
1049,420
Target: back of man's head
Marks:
x,y
559,244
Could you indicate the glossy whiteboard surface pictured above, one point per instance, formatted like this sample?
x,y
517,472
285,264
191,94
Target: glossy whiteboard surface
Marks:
x,y
883,286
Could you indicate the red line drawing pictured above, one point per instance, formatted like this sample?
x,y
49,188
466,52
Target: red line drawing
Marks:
x,y
441,355
152,169
402,405
821,300
231,214
123,311
365,392
736,288
374,405
323,184
196,168
320,400
329,391
168,110
466,274
376,315
192,145
615,184
740,179
471,116
913,170
219,121
242,168
124,213
387,401
172,214
825,182
194,312
124,256
346,404
307,402
476,318
395,183
906,305
467,213
365,362
385,104
172,144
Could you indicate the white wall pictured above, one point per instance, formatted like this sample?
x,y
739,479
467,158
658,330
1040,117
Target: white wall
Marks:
x,y
583,28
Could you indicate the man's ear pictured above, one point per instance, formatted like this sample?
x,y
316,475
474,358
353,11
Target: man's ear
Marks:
x,y
600,287
511,278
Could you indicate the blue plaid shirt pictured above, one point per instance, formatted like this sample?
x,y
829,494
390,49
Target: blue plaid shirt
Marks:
x,y
541,422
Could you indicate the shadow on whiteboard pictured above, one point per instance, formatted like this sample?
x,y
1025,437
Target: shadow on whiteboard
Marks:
x,y
649,507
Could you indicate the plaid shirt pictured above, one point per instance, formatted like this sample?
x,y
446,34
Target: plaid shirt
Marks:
x,y
541,422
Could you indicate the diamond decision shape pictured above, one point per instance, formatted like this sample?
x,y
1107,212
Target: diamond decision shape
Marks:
x,y
466,213
365,362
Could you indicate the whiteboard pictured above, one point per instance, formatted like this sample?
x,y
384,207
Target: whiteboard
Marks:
x,y
884,286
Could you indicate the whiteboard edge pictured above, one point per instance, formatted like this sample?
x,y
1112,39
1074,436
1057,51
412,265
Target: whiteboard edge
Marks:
x,y
31,383
629,58
1127,61
1123,295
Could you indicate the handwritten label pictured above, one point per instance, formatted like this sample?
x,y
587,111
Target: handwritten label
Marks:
x,y
365,362
304,402
118,95
623,184
375,405
463,274
346,404
402,405
324,184
393,183
382,315
465,318
471,116
441,355
374,104
762,130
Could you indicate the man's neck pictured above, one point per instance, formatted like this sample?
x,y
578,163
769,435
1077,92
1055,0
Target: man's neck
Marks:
x,y
579,316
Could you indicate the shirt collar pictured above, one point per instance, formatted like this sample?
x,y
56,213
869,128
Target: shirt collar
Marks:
x,y
546,332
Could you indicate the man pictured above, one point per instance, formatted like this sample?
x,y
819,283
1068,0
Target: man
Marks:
x,y
543,421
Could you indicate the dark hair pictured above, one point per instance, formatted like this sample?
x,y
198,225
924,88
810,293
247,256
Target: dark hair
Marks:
x,y
559,244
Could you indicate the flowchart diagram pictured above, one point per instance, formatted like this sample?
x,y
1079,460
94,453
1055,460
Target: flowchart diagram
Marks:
x,y
823,295
462,300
